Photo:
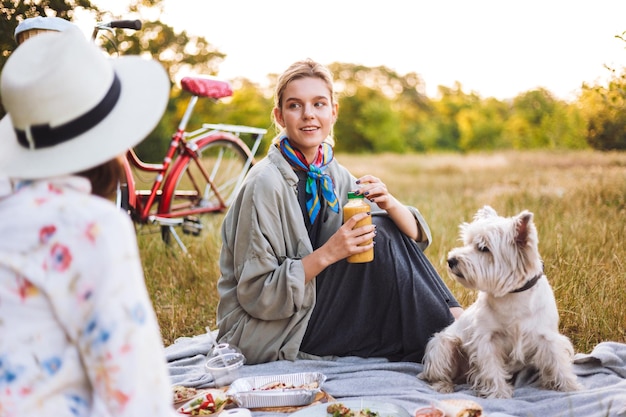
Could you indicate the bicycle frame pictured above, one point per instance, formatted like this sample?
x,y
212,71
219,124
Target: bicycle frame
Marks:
x,y
142,201
183,150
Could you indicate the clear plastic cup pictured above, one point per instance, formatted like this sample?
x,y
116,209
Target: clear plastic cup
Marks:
x,y
223,363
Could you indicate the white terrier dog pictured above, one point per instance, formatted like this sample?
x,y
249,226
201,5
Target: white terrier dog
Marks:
x,y
512,325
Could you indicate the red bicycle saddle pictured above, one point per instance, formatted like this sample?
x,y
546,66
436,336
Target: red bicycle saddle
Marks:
x,y
206,87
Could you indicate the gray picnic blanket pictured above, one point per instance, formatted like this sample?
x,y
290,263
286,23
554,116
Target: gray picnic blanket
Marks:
x,y
602,373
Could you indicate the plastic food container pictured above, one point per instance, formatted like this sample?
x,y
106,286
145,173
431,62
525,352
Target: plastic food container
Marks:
x,y
291,390
223,363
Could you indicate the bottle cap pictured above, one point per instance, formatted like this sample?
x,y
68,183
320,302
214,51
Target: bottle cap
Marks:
x,y
352,194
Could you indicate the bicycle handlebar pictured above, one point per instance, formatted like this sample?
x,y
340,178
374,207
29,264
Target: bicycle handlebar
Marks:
x,y
115,24
122,24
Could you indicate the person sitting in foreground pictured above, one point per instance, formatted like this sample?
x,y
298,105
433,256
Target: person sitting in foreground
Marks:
x,y
286,290
78,333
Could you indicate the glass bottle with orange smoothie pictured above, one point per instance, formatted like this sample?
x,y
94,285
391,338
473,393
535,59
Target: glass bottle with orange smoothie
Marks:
x,y
356,204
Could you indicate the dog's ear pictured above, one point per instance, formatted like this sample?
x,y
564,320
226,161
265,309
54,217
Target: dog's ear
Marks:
x,y
522,227
485,212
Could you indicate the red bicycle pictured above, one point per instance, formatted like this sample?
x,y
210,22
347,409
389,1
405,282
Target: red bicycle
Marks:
x,y
201,171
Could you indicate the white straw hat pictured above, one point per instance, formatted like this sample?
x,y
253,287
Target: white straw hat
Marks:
x,y
70,108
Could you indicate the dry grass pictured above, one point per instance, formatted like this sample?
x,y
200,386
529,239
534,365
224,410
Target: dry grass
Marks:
x,y
579,202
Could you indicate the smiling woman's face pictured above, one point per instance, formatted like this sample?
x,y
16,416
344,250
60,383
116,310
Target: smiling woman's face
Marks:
x,y
307,114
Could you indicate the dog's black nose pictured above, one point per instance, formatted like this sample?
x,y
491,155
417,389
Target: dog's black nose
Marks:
x,y
452,262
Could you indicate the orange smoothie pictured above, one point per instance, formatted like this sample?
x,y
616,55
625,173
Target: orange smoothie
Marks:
x,y
356,204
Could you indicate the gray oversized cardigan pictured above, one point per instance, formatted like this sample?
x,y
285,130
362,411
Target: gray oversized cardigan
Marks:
x,y
265,304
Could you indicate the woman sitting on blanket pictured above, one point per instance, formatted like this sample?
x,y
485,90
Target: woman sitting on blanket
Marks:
x,y
78,333
286,289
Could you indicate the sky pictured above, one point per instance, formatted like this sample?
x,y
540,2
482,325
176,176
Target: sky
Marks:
x,y
495,48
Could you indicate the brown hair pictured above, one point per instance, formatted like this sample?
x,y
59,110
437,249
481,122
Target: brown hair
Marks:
x,y
105,177
296,71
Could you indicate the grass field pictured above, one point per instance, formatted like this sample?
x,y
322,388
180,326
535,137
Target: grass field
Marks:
x,y
579,203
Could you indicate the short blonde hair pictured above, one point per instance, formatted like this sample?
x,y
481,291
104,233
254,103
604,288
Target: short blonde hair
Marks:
x,y
298,70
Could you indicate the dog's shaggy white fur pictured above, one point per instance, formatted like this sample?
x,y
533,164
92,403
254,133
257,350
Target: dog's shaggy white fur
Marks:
x,y
512,325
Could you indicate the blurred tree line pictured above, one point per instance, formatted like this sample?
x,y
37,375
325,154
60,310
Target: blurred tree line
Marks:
x,y
380,110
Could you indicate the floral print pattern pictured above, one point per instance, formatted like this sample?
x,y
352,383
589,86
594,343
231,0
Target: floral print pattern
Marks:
x,y
78,333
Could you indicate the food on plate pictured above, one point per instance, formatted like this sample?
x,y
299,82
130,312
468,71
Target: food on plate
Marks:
x,y
203,405
182,393
430,411
285,390
460,408
340,410
280,385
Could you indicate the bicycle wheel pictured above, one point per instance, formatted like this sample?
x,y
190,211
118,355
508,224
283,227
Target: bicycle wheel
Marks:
x,y
204,181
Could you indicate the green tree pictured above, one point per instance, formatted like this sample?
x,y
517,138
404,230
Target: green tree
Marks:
x,y
540,121
575,138
444,132
481,125
534,107
367,123
376,107
604,109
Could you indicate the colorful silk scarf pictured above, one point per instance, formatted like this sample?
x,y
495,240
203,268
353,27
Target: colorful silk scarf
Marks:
x,y
315,171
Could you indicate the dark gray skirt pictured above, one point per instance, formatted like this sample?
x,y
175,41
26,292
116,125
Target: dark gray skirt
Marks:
x,y
388,308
